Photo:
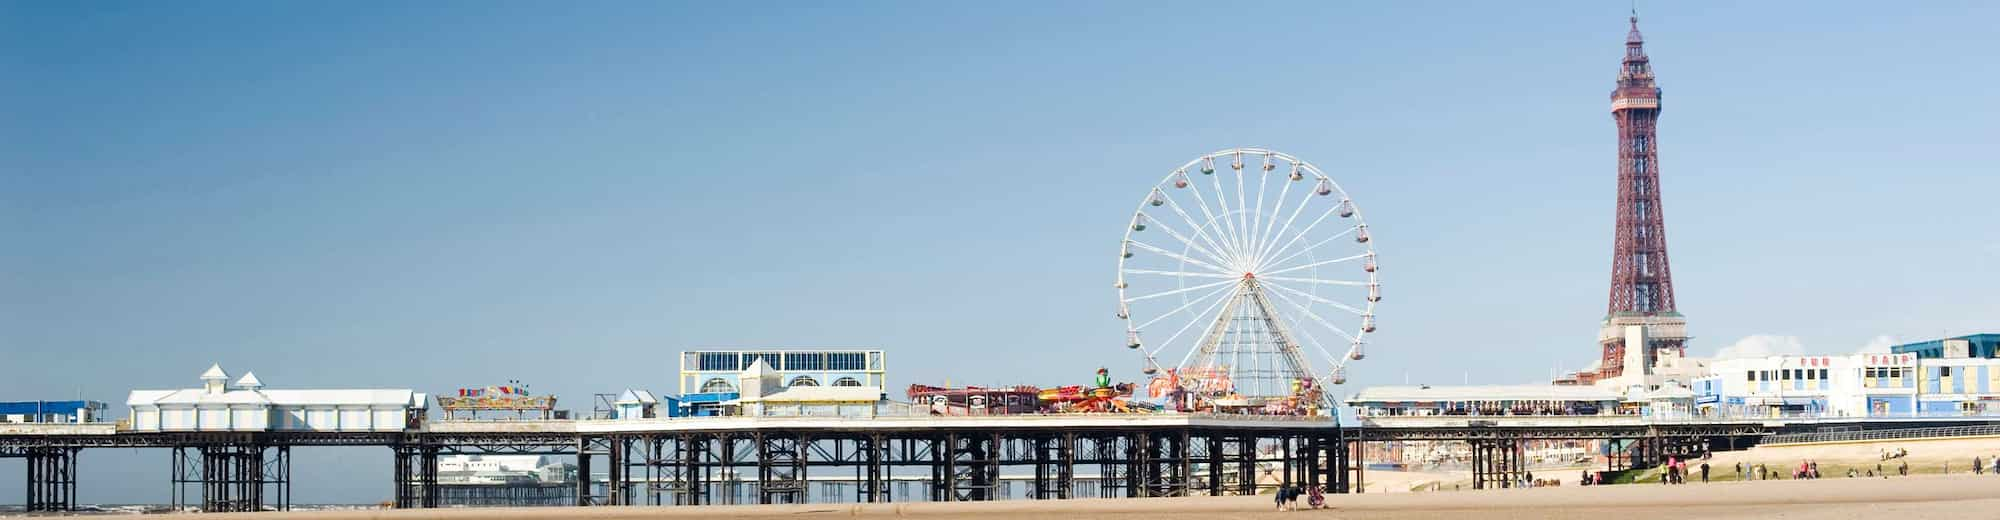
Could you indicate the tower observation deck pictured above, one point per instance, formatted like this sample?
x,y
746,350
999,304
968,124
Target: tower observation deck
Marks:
x,y
1640,322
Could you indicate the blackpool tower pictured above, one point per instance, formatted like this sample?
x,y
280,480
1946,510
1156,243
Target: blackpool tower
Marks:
x,y
1641,334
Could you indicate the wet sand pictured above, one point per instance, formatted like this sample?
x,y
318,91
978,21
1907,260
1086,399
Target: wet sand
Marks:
x,y
1958,496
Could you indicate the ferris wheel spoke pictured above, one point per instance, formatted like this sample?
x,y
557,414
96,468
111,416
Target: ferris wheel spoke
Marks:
x,y
1317,299
1184,240
1228,226
1190,303
1180,290
1306,310
1201,317
1257,219
1181,273
1264,237
1317,264
1176,256
1350,283
1320,347
1265,251
1315,246
1307,231
1201,230
1213,324
1242,209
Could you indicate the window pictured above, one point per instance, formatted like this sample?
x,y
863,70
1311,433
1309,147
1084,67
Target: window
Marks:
x,y
717,385
1822,374
1944,371
846,381
847,361
804,381
715,361
1763,375
770,358
1750,376
805,361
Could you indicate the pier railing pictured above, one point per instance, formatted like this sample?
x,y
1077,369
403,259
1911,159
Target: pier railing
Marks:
x,y
1882,435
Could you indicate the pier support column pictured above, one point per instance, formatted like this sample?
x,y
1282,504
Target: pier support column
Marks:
x,y
873,487
1246,465
781,468
1215,449
1496,463
51,479
236,475
1055,466
583,478
415,476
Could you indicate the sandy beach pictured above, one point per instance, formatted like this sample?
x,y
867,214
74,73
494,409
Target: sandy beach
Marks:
x,y
1957,496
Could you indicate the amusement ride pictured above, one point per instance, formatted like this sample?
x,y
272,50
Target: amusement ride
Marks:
x,y
1236,269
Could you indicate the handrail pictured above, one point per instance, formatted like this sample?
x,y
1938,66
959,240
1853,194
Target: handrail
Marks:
x,y
1891,434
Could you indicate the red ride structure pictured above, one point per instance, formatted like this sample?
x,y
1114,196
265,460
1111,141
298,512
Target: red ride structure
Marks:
x,y
1642,287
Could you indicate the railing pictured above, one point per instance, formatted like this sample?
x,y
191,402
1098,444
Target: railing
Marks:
x,y
1878,435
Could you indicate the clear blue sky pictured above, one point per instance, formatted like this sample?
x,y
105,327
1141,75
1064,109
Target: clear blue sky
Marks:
x,y
456,194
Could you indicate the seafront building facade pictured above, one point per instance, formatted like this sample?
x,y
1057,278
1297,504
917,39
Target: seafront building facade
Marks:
x,y
710,378
247,406
1854,385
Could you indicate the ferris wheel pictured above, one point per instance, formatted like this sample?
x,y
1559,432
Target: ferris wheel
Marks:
x,y
1238,267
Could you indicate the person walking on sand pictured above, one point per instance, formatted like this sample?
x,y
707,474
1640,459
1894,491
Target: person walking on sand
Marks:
x,y
1704,472
1903,468
1976,468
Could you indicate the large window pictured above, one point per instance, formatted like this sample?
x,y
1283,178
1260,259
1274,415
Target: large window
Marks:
x,y
847,361
804,381
805,361
770,358
715,361
846,381
717,385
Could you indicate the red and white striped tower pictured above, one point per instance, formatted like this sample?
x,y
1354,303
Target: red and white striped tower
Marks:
x,y
1641,312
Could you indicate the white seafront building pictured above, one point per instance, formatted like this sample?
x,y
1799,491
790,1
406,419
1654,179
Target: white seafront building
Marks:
x,y
1855,385
248,406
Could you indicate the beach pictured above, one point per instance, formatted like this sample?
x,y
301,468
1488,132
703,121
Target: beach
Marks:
x,y
1954,496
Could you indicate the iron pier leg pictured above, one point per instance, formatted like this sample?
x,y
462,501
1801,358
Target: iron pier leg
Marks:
x,y
51,479
583,490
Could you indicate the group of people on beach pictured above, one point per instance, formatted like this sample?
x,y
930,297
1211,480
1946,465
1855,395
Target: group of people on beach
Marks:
x,y
1677,471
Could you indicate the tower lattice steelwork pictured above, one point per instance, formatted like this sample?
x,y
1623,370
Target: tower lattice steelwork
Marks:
x,y
1642,286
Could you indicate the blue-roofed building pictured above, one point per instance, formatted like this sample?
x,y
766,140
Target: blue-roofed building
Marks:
x,y
52,411
1974,346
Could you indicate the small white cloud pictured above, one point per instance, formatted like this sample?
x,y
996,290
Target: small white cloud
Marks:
x,y
1762,345
1879,345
